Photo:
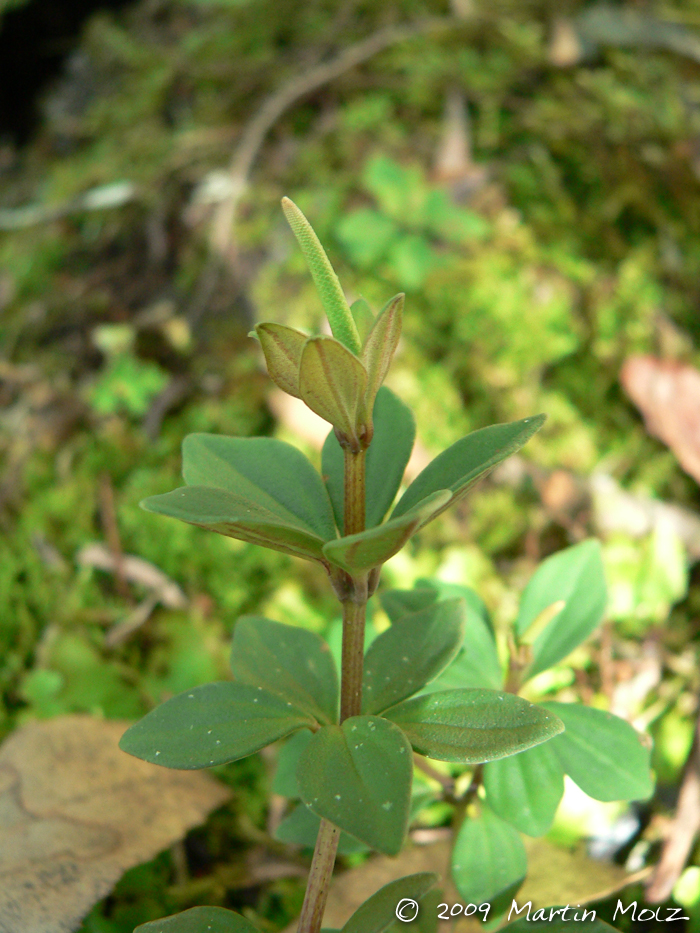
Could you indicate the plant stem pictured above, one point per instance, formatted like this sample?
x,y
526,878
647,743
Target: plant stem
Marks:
x,y
354,609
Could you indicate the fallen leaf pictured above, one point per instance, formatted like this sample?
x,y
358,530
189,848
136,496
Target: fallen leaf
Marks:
x,y
668,395
76,813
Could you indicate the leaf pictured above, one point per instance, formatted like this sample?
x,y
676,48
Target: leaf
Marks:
x,y
473,726
411,259
406,656
602,753
488,858
334,302
285,779
574,576
333,382
459,467
282,347
358,776
290,662
453,590
200,920
366,235
360,552
385,460
363,317
401,603
301,827
525,789
77,813
379,911
211,725
378,349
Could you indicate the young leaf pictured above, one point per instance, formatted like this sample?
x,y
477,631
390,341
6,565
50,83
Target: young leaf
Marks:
x,y
358,776
473,726
408,655
290,662
574,576
457,591
282,347
379,912
300,828
385,460
379,347
333,383
211,725
602,753
488,858
199,920
363,317
334,302
401,603
356,553
462,464
525,789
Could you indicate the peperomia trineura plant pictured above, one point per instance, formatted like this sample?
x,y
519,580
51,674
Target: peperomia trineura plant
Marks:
x,y
351,757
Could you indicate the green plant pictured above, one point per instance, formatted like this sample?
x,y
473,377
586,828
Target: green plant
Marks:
x,y
351,761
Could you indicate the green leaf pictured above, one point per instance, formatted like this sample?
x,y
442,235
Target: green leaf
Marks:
x,y
285,779
462,464
290,662
282,347
333,382
525,789
401,603
358,776
378,913
301,827
200,920
360,552
211,725
602,753
385,460
333,299
378,349
488,858
363,317
456,590
473,726
408,655
574,576
366,235
411,259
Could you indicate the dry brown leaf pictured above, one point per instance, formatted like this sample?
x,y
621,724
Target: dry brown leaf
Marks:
x,y
668,395
76,813
577,880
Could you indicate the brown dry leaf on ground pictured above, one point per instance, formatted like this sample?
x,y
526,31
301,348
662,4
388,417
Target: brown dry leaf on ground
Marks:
x,y
577,879
76,813
668,395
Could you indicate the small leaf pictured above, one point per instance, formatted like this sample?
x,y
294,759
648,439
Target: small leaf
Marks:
x,y
211,725
366,235
334,302
473,726
408,655
385,460
488,858
282,347
363,317
462,464
602,753
574,576
333,382
379,912
525,789
401,603
285,779
456,590
360,552
301,827
378,349
290,662
358,776
200,920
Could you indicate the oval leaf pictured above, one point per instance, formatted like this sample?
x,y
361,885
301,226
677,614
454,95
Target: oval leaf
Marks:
x,y
379,912
356,553
358,776
200,920
282,347
401,603
211,725
602,753
404,658
462,464
332,382
379,347
385,460
525,789
473,726
488,859
290,662
300,828
574,576
363,317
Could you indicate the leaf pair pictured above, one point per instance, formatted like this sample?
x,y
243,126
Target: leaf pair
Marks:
x,y
285,681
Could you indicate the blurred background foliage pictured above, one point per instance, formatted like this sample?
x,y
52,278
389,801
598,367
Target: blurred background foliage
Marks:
x,y
527,172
